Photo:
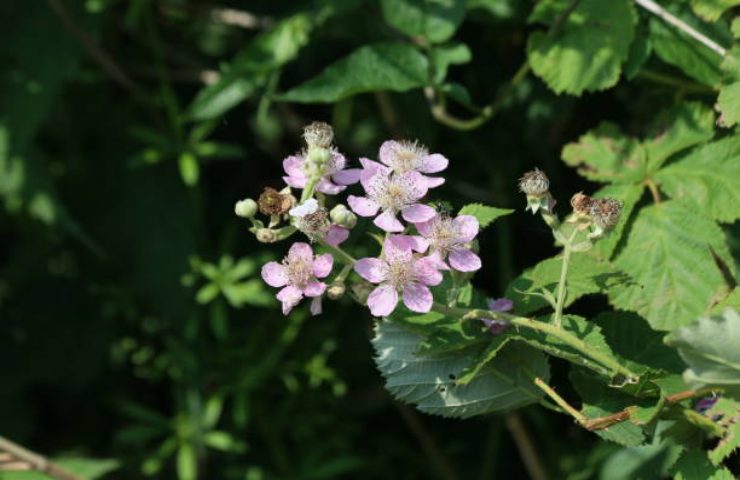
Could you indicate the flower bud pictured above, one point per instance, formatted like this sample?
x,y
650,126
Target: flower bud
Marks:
x,y
534,183
266,235
342,216
318,134
272,202
336,290
246,208
581,203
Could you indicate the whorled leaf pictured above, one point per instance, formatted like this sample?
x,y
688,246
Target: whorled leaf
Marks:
x,y
587,52
668,255
387,66
710,349
430,382
483,213
434,20
708,178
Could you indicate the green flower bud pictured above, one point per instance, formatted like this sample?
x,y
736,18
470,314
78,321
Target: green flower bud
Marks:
x,y
266,235
246,208
342,216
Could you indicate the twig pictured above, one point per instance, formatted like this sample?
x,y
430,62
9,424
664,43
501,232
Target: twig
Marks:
x,y
426,441
101,57
34,460
580,418
526,446
668,17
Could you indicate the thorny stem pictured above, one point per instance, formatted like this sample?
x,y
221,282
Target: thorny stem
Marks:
x,y
344,257
558,320
559,333
34,460
550,392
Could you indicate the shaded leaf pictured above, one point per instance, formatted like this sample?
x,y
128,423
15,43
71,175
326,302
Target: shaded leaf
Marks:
x,y
629,195
483,213
676,129
694,465
711,10
435,20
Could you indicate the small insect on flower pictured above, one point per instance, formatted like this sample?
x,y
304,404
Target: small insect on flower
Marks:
x,y
399,271
272,202
298,274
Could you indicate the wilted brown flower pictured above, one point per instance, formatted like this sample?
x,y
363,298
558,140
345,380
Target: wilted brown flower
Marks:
x,y
581,203
272,202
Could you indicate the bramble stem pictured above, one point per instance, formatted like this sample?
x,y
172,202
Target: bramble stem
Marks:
x,y
559,333
35,461
557,322
580,418
343,256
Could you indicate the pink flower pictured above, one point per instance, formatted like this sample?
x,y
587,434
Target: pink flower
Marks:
x,y
499,305
450,238
391,193
334,177
406,156
298,274
399,271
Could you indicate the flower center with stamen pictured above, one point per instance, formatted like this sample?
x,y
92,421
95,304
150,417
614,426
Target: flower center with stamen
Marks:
x,y
444,235
299,271
400,272
391,193
408,156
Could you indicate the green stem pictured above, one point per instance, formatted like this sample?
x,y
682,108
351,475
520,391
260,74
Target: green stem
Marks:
x,y
668,80
580,418
562,335
560,302
340,254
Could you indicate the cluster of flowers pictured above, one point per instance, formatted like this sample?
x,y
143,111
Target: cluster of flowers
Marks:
x,y
418,246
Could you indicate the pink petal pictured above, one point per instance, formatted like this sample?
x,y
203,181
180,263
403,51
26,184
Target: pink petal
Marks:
x,y
301,251
417,184
412,242
337,162
371,269
322,265
433,182
463,260
388,222
373,166
383,300
327,187
293,166
425,228
418,213
316,306
426,270
501,305
434,163
314,289
386,152
363,206
468,227
418,298
438,261
290,296
336,235
295,181
274,274
349,176
370,171
396,252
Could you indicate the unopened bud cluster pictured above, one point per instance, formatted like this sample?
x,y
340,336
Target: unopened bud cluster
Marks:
x,y
601,213
536,186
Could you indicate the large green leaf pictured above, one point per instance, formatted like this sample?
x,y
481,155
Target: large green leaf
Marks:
x,y
668,255
382,66
694,465
250,68
435,20
430,382
605,154
728,103
586,55
711,10
708,178
483,213
629,195
586,275
710,349
676,129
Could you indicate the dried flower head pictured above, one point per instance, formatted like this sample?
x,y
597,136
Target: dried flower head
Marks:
x,y
318,134
313,220
534,183
605,212
581,203
272,202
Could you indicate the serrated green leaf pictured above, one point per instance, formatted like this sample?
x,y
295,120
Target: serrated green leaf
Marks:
x,y
429,382
599,401
483,213
637,347
445,55
586,275
396,67
708,178
639,52
694,465
683,52
667,254
250,68
644,462
728,104
452,334
711,10
629,195
710,349
494,345
435,20
732,300
676,129
588,52
727,413
605,154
